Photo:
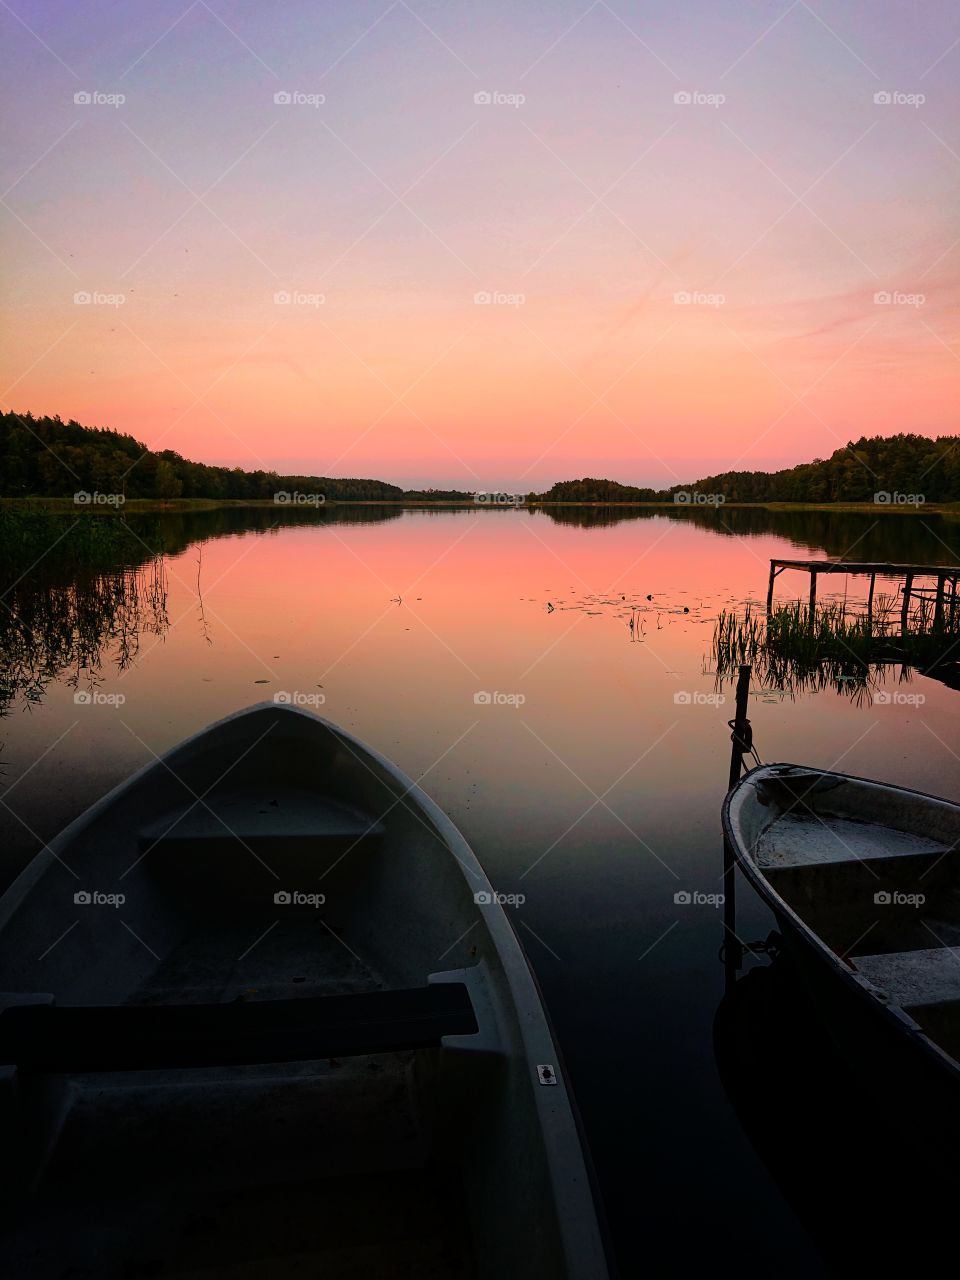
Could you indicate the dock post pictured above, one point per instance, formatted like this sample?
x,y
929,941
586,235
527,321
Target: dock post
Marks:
x,y
873,583
740,725
813,593
773,574
905,611
741,736
938,606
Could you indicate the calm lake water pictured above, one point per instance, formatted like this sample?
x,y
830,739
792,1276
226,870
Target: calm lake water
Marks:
x,y
490,654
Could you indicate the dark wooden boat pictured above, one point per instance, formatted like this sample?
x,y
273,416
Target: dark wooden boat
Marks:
x,y
864,880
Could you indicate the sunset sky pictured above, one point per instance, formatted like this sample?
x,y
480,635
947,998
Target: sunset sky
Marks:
x,y
586,197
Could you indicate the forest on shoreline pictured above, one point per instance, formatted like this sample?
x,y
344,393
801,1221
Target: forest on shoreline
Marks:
x,y
44,457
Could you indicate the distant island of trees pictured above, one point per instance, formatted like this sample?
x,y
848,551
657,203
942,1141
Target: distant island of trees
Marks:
x,y
47,457
897,465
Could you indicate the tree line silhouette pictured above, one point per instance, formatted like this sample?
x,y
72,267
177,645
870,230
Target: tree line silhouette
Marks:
x,y
47,457
887,466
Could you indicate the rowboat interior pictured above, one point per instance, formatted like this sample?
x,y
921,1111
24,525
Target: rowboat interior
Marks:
x,y
254,1083
874,872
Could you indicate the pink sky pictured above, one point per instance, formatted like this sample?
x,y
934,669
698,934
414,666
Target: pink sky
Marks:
x,y
586,209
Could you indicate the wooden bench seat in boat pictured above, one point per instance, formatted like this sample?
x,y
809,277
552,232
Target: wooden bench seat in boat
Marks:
x,y
290,818
912,979
60,1039
798,840
925,983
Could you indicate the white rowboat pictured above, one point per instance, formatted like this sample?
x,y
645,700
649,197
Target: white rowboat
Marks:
x,y
264,1015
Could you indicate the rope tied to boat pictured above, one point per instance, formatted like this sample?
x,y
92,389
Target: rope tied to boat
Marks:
x,y
771,946
741,735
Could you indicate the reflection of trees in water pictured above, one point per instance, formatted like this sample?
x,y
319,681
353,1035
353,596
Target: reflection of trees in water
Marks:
x,y
58,544
52,629
178,530
79,592
926,538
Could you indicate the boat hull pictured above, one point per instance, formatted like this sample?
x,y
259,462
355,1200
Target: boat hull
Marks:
x,y
272,858
914,1081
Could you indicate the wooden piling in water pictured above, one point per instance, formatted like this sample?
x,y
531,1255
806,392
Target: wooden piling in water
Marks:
x,y
740,725
905,611
938,605
741,738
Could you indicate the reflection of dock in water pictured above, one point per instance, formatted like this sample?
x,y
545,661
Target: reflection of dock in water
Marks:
x,y
806,644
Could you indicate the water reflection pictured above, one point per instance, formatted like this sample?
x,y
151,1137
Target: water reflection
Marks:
x,y
929,538
80,591
53,630
793,1093
797,650
177,530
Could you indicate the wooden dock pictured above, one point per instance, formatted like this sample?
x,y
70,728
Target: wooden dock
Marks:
x,y
941,578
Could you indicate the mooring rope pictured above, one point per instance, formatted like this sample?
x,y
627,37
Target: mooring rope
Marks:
x,y
741,735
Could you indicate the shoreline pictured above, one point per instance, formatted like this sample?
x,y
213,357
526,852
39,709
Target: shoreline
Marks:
x,y
174,506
